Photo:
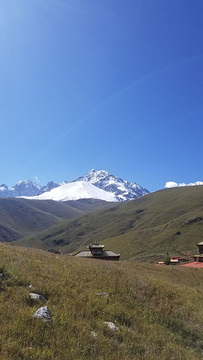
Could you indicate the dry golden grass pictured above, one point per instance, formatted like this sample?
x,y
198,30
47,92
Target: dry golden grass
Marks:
x,y
158,310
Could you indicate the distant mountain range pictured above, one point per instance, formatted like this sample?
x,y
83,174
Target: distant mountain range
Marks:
x,y
25,188
96,184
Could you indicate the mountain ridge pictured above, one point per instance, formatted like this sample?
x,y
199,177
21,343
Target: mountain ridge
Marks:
x,y
101,179
25,188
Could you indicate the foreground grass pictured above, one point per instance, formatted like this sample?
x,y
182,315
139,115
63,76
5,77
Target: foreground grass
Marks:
x,y
158,310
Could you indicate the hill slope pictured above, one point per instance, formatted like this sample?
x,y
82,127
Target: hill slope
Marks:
x,y
20,217
168,220
157,311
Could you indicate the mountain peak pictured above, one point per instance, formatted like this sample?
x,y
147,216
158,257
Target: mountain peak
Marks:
x,y
96,174
122,189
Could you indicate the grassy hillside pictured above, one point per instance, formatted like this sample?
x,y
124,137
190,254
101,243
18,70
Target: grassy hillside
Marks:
x,y
22,217
169,220
157,310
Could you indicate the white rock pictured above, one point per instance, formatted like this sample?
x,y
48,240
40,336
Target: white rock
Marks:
x,y
111,326
39,297
43,313
94,334
102,294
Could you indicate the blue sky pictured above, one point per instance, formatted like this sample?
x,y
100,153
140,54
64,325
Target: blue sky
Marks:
x,y
114,85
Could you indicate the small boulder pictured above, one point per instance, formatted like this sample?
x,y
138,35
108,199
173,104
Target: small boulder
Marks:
x,y
94,334
38,297
111,326
43,313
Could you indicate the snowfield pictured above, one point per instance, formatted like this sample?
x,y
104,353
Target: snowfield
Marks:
x,y
75,191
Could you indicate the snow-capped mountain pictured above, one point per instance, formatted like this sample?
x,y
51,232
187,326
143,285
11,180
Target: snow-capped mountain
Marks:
x,y
96,184
74,191
4,191
123,190
25,188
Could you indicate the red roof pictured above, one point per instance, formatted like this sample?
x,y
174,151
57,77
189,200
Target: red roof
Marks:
x,y
194,264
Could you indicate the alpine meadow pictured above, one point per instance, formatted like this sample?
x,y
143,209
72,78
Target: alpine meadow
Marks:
x,y
129,309
154,312
101,186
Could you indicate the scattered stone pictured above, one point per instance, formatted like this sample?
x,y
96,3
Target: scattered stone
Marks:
x,y
111,326
43,313
39,297
94,334
30,286
103,294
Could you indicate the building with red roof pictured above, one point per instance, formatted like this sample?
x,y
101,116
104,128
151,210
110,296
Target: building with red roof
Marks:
x,y
198,259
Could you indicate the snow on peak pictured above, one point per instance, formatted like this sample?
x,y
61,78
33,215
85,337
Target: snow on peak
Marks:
x,y
76,190
26,183
95,175
3,187
122,189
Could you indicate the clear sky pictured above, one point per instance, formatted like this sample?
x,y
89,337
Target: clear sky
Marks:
x,y
104,84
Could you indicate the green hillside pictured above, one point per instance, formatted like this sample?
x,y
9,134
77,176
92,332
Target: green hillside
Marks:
x,y
22,217
157,311
169,220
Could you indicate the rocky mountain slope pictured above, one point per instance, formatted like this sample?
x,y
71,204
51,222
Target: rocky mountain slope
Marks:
x,y
122,189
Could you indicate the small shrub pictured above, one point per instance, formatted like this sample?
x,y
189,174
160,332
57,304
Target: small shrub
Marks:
x,y
167,259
